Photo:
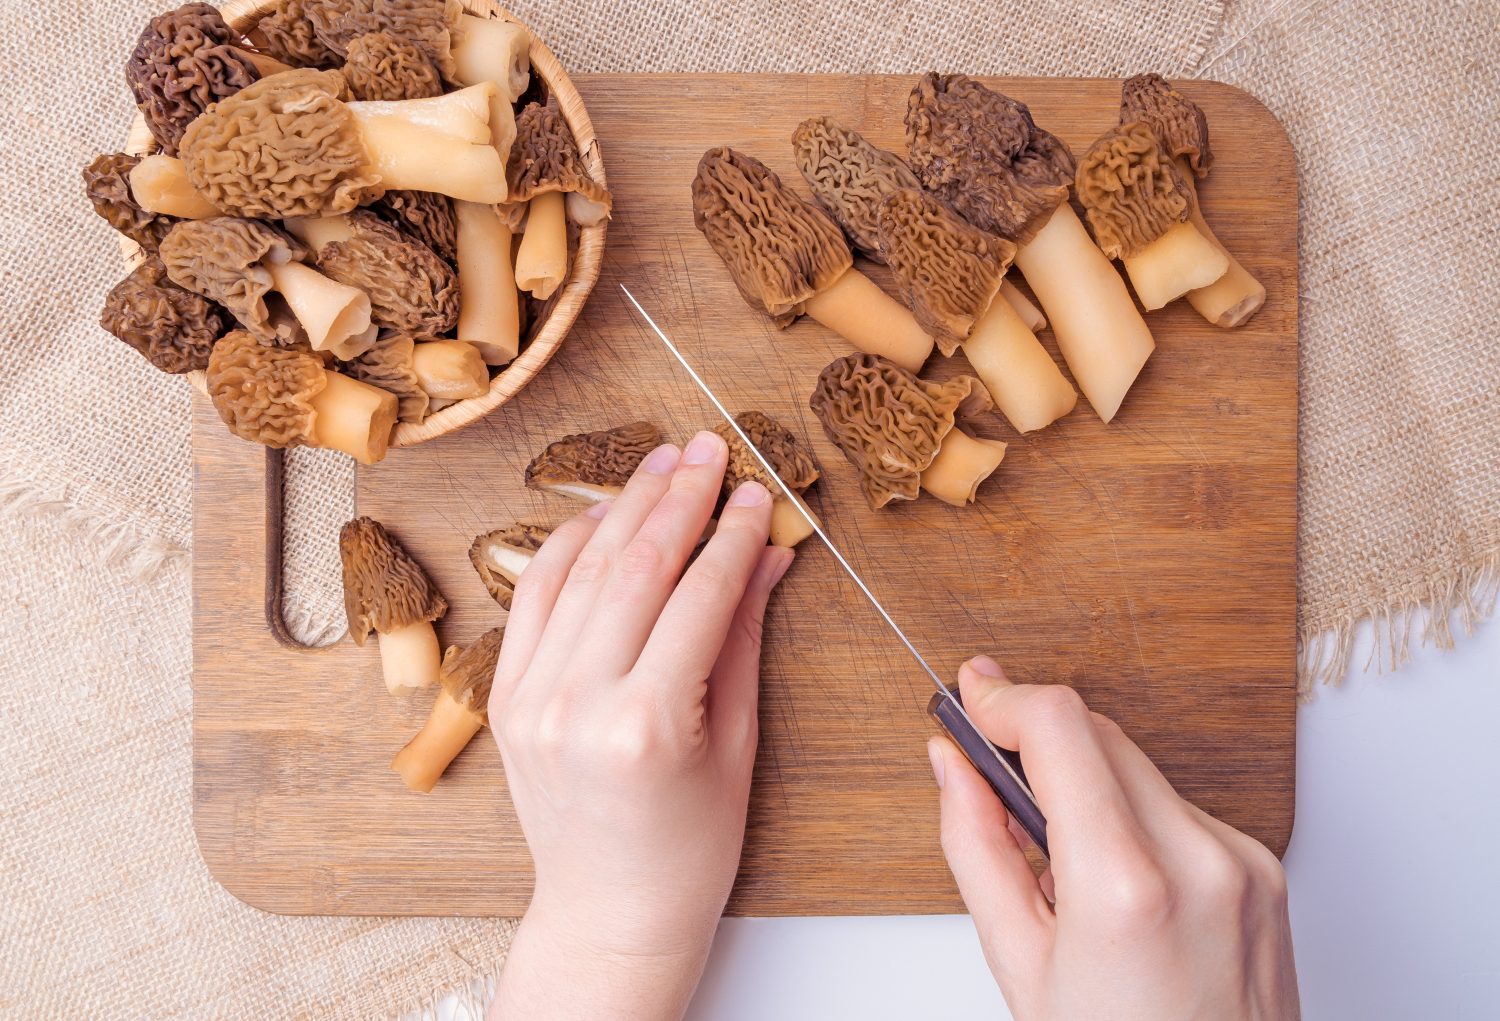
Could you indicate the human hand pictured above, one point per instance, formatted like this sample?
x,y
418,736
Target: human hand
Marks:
x,y
1150,909
624,706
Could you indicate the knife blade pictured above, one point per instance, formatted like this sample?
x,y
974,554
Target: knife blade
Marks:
x,y
1000,767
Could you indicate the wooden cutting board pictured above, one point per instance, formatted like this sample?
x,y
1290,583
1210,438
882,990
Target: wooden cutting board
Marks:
x,y
1150,563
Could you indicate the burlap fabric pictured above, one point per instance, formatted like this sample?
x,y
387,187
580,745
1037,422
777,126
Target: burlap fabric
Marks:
x,y
105,908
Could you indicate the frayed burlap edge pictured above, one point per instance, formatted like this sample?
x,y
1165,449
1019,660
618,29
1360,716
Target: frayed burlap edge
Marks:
x,y
470,1001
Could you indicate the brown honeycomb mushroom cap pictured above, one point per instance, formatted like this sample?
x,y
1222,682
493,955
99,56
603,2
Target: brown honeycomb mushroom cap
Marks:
x,y
1132,191
544,157
487,549
467,674
106,182
292,39
263,393
284,147
777,443
427,24
849,177
383,66
173,328
981,152
423,215
184,61
604,458
384,588
780,250
388,365
947,269
890,424
410,288
220,258
1181,129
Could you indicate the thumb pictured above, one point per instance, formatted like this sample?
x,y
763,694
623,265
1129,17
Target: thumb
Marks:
x,y
734,686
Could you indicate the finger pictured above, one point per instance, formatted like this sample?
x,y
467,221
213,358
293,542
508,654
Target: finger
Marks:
x,y
1162,812
1014,920
734,683
648,568
535,593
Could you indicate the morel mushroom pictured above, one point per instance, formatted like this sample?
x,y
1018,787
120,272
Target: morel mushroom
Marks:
x,y
787,257
290,146
389,364
950,274
849,177
450,369
593,466
424,215
410,288
1182,130
425,23
901,432
236,262
982,153
1138,202
283,397
159,184
387,592
383,66
489,306
173,328
793,464
458,713
501,556
546,172
106,182
289,35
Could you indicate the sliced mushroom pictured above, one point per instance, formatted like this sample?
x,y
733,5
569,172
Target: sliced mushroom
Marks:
x,y
106,181
173,328
458,713
849,177
901,432
501,556
594,466
787,257
387,592
793,464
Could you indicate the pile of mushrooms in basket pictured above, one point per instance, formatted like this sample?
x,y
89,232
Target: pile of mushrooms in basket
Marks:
x,y
353,212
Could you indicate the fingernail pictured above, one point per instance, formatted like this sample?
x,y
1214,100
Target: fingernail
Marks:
x,y
662,460
598,510
704,448
935,755
986,666
748,494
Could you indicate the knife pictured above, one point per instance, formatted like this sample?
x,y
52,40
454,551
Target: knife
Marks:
x,y
1000,767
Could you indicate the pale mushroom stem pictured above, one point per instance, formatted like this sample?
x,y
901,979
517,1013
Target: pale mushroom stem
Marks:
x,y
864,315
489,314
1101,335
356,418
1029,313
1235,296
1026,384
159,184
1179,261
962,463
510,560
542,260
788,525
448,730
317,231
492,50
440,145
329,311
410,657
449,368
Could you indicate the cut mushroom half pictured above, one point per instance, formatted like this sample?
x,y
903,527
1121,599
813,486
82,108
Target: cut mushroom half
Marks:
x,y
501,556
460,710
593,466
387,592
791,518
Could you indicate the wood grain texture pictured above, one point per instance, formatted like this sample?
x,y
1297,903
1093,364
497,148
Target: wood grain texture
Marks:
x,y
1149,563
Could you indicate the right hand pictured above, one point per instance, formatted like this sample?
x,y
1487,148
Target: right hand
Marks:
x,y
1151,909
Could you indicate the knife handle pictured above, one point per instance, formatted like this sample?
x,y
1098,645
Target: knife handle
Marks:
x,y
1000,767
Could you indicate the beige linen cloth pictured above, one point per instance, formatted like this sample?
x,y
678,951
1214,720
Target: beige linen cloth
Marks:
x,y
105,908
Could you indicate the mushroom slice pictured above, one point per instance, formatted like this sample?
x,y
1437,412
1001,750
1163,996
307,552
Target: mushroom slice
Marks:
x,y
951,274
595,466
174,329
502,555
382,66
849,177
793,464
410,288
787,257
982,153
1182,130
106,182
458,713
1138,203
901,432
387,592
283,397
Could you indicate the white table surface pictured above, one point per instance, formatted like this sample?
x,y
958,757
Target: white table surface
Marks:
x,y
1393,864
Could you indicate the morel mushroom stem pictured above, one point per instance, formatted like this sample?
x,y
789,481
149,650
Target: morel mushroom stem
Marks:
x,y
1235,296
1180,261
448,731
542,260
1029,313
450,369
1026,384
489,312
788,525
409,658
864,315
437,144
332,313
962,463
356,418
317,231
159,184
492,50
1102,337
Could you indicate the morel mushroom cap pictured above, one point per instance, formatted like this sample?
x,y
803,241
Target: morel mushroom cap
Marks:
x,y
184,61
544,158
981,152
1180,126
780,446
947,270
383,66
425,23
499,557
423,215
849,177
780,250
222,259
106,181
890,424
173,328
385,590
388,364
1132,191
265,394
410,288
468,673
593,466
290,36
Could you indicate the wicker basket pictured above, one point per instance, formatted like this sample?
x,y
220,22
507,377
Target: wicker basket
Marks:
x,y
566,304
